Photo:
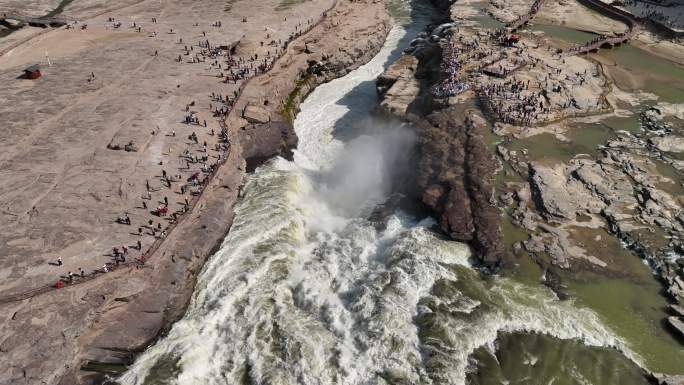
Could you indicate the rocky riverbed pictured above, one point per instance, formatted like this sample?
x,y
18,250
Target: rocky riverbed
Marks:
x,y
627,184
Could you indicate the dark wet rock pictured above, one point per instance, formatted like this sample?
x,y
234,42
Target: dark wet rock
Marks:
x,y
553,281
651,120
261,142
455,173
455,166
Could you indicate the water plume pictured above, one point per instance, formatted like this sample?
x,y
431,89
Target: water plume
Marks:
x,y
366,171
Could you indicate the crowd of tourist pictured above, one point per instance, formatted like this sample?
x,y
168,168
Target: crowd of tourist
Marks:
x,y
206,148
514,104
451,85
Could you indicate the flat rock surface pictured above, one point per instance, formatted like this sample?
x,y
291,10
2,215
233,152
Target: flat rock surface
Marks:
x,y
669,143
677,324
65,186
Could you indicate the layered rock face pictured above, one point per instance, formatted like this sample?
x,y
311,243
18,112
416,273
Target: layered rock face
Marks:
x,y
261,142
455,169
399,86
455,173
270,131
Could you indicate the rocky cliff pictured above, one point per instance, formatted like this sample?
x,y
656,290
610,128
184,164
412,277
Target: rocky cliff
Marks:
x,y
114,319
455,167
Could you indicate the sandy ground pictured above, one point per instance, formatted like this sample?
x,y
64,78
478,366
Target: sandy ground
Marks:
x,y
55,163
571,14
30,7
59,44
20,36
80,10
63,188
75,10
667,49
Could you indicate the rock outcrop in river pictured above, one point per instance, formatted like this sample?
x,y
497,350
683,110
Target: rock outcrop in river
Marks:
x,y
455,168
455,172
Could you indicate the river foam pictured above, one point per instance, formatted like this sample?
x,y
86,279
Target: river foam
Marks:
x,y
306,290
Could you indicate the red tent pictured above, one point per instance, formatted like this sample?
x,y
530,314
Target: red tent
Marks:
x,y
32,72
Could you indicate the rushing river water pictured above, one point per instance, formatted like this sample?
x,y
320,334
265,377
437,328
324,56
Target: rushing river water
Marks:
x,y
307,290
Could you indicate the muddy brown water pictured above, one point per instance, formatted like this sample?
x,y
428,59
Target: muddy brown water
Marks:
x,y
633,68
519,358
630,300
547,148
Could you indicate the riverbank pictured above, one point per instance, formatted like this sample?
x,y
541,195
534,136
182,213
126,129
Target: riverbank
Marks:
x,y
112,317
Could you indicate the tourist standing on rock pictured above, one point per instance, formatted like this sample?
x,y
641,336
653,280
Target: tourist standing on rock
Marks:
x,y
59,261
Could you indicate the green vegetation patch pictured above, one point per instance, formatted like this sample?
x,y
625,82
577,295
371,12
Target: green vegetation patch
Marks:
x,y
289,110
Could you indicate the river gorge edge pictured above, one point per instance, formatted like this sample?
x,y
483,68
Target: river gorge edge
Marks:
x,y
124,324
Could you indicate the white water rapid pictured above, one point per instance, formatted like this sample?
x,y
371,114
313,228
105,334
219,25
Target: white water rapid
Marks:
x,y
306,290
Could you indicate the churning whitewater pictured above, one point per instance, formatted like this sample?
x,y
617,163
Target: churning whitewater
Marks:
x,y
306,290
